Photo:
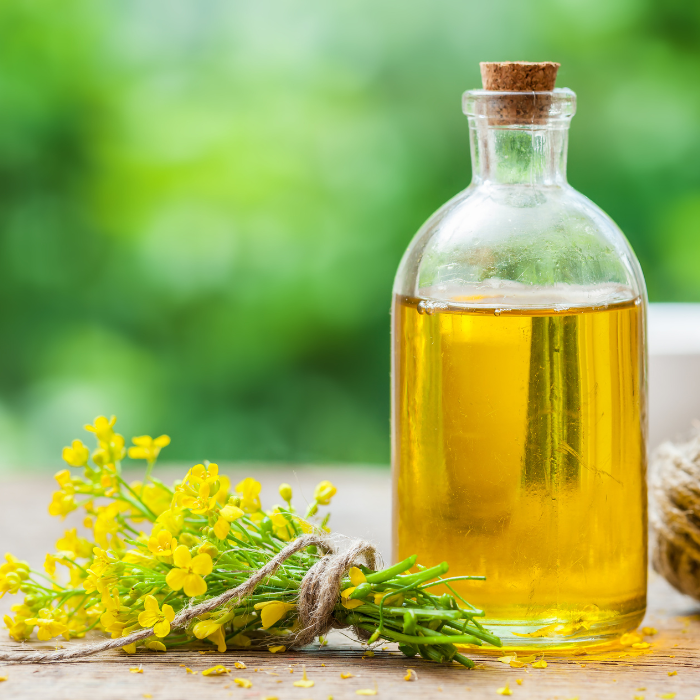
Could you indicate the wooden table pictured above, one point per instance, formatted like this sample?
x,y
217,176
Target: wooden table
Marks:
x,y
361,508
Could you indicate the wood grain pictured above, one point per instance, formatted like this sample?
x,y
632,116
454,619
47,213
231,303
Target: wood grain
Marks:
x,y
362,509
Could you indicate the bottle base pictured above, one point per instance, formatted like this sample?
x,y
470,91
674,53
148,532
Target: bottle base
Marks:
x,y
528,635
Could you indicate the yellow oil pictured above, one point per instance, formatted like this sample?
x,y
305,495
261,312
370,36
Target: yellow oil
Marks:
x,y
519,454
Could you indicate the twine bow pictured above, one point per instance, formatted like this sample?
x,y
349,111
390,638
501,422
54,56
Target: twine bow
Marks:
x,y
318,595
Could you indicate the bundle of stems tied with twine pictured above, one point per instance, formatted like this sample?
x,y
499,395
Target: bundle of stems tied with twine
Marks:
x,y
159,567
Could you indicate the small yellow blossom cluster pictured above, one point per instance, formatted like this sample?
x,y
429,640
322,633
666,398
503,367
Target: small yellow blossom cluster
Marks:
x,y
148,550
200,538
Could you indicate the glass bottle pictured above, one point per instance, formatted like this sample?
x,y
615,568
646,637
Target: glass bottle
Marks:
x,y
519,389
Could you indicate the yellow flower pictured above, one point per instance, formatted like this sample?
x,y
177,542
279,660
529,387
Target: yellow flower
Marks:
x,y
103,428
14,565
70,542
393,599
76,455
145,447
250,494
162,544
324,492
152,616
172,520
346,602
61,504
202,503
102,561
272,611
224,488
154,496
189,572
199,473
211,630
356,576
109,452
50,564
12,574
106,523
48,626
17,628
226,515
280,525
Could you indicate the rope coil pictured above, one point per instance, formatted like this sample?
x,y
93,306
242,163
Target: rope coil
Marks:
x,y
675,514
318,595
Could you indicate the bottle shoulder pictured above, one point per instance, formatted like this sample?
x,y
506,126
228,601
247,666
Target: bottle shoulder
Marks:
x,y
533,235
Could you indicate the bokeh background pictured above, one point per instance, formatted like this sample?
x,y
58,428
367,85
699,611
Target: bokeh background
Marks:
x,y
203,202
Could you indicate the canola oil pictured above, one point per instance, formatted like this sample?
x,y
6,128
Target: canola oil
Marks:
x,y
519,453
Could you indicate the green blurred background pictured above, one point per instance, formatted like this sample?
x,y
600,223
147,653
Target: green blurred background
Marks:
x,y
203,203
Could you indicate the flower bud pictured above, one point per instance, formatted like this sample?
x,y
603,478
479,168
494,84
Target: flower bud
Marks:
x,y
208,548
188,539
286,492
324,492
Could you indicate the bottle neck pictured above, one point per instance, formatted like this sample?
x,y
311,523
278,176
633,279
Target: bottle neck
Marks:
x,y
518,154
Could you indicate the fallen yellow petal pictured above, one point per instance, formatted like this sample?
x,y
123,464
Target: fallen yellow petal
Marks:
x,y
641,645
505,690
366,691
243,682
629,639
275,649
507,659
517,664
147,695
519,681
239,664
649,630
346,675
638,697
217,670
667,696
3,678
136,669
540,664
673,673
411,675
189,670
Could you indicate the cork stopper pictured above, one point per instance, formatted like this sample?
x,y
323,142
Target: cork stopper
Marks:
x,y
535,82
519,76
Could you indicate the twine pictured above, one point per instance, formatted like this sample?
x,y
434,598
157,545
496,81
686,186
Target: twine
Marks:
x,y
318,595
675,514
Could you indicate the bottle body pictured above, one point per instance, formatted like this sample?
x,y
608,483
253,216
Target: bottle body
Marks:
x,y
519,400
